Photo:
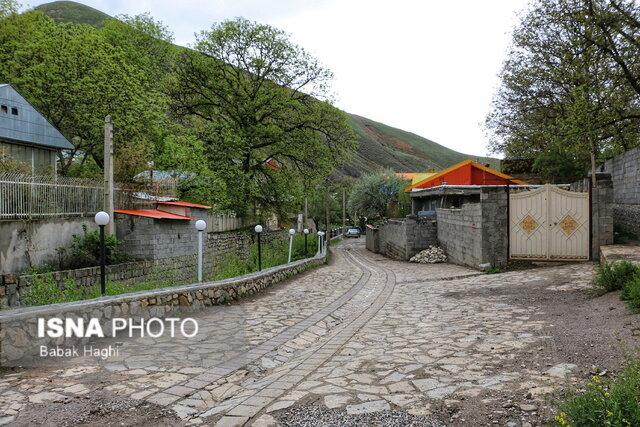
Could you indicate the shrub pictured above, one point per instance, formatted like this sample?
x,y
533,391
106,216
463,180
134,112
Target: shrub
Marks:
x,y
85,249
631,292
614,402
613,276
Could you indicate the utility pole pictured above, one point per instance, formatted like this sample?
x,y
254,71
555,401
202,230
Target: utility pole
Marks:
x,y
344,211
326,214
108,173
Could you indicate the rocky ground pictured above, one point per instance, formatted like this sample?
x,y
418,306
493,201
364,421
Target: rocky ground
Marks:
x,y
363,341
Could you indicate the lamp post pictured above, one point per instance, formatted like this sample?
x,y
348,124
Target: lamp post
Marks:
x,y
306,233
201,225
102,219
292,232
258,230
320,241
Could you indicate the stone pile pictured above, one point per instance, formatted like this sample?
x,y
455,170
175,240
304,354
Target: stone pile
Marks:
x,y
431,255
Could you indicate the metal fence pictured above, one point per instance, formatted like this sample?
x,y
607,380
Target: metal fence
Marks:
x,y
26,196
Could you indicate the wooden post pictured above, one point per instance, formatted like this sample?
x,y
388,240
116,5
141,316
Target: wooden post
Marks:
x,y
326,215
108,173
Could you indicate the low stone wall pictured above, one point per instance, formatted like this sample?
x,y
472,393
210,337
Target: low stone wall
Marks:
x,y
403,238
181,269
18,328
476,235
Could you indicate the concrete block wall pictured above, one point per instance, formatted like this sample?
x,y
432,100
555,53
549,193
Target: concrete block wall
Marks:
x,y
460,234
477,233
403,238
625,178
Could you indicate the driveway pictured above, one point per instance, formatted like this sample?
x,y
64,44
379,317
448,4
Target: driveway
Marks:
x,y
364,340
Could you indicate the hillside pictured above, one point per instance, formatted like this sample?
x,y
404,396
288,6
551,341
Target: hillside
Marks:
x,y
70,11
379,146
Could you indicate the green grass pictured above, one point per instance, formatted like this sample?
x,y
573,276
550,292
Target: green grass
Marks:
x,y
45,290
382,146
605,402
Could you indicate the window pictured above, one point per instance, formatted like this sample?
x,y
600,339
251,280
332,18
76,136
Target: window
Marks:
x,y
14,111
4,109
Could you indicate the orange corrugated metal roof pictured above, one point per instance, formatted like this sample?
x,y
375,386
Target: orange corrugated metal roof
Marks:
x,y
424,183
185,204
151,213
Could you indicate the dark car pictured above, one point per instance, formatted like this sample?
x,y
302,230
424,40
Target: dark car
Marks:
x,y
352,232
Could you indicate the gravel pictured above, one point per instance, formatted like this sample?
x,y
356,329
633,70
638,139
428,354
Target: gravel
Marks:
x,y
431,255
315,415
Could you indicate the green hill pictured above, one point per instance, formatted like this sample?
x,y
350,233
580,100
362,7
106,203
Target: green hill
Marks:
x,y
379,146
70,11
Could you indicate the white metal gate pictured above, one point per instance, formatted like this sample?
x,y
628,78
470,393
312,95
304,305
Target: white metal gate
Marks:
x,y
548,223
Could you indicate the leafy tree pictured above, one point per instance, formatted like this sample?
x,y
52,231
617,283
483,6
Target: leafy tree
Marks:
x,y
379,195
76,75
261,105
559,97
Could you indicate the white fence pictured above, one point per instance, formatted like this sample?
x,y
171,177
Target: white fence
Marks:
x,y
224,222
26,197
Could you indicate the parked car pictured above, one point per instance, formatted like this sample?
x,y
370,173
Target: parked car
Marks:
x,y
352,232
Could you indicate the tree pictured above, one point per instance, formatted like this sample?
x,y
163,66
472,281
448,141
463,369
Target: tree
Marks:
x,y
261,105
379,195
559,97
76,75
9,7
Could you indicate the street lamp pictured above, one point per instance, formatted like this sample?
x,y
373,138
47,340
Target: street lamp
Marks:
x,y
306,233
201,225
292,232
320,242
258,230
102,219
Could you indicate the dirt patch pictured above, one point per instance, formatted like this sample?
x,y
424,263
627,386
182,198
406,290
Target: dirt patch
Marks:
x,y
98,408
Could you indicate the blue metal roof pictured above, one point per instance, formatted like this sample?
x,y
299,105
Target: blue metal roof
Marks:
x,y
28,126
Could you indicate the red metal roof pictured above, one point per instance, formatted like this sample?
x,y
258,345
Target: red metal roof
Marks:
x,y
151,213
185,204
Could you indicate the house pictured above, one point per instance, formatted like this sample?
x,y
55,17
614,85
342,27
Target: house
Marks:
x,y
26,135
456,185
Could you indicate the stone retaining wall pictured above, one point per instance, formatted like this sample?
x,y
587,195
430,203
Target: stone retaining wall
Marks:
x,y
182,269
18,327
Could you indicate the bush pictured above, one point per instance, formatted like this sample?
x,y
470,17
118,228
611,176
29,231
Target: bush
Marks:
x,y
613,276
613,402
631,292
85,250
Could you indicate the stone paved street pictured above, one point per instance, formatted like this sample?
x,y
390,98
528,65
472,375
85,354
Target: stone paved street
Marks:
x,y
440,344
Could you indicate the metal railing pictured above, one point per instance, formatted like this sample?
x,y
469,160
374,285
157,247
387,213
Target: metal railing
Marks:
x,y
26,196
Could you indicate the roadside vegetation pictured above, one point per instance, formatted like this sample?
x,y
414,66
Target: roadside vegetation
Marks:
x,y
45,289
604,402
620,276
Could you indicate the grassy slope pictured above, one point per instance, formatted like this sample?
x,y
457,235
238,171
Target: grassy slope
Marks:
x,y
70,11
379,146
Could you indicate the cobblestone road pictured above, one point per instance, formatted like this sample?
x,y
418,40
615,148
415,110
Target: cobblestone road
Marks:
x,y
362,335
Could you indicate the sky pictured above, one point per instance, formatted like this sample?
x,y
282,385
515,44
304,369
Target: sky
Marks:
x,y
425,66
